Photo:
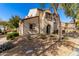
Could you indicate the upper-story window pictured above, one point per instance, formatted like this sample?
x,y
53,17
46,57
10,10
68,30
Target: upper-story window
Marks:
x,y
48,16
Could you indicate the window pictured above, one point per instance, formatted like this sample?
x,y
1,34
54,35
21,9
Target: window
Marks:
x,y
48,16
32,26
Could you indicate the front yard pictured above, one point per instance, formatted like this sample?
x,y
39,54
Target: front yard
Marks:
x,y
37,47
42,45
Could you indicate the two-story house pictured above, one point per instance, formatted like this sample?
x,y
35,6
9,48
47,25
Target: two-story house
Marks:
x,y
38,21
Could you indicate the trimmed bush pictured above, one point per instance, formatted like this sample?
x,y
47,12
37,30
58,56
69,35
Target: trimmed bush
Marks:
x,y
12,35
15,34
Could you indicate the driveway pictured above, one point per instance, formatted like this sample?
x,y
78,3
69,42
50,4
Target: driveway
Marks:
x,y
3,39
76,49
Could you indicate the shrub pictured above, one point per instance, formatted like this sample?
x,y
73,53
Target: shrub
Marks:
x,y
4,32
12,35
15,30
15,34
6,46
0,31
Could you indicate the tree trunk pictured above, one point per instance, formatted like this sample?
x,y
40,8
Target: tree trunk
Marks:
x,y
59,29
75,23
57,18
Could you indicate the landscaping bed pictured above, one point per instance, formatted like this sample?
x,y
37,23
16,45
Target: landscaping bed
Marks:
x,y
6,46
12,35
9,44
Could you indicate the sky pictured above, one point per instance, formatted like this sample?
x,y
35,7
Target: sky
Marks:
x,y
7,10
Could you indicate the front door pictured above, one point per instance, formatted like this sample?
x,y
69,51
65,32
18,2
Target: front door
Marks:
x,y
48,29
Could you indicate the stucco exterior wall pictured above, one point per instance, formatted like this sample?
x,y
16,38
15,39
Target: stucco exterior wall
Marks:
x,y
29,21
21,25
44,22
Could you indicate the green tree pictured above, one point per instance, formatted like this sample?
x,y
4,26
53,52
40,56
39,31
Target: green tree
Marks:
x,y
77,24
71,10
14,22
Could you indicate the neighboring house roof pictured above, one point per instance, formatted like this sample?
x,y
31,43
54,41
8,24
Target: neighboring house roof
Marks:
x,y
69,26
72,21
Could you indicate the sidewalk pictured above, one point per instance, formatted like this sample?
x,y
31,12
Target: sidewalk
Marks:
x,y
3,39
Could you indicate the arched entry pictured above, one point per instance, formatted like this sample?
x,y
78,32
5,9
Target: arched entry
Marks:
x,y
48,29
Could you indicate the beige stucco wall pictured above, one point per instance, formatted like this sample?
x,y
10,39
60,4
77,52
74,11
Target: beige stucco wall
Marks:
x,y
31,21
21,25
44,22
